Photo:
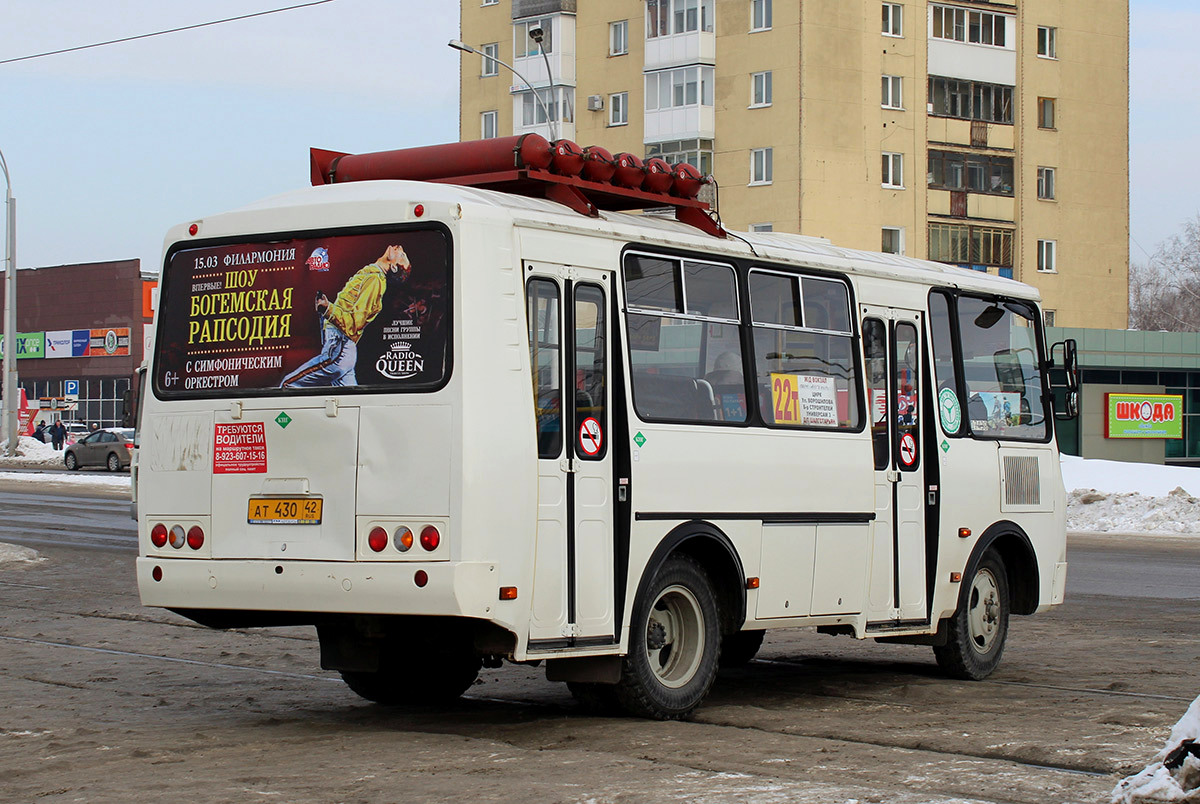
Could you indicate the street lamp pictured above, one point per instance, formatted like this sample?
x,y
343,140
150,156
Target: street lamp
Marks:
x,y
10,316
458,44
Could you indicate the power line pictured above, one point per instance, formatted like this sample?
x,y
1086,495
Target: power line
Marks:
x,y
168,31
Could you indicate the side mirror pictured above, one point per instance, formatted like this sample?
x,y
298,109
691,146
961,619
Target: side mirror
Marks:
x,y
1070,367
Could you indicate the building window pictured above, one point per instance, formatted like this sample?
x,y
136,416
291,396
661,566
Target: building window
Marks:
x,y
892,98
761,169
524,46
973,246
618,109
893,170
667,17
1046,183
488,125
671,89
1047,256
1048,316
558,100
893,240
760,89
490,52
970,100
1047,42
490,3
618,38
964,25
1045,112
976,173
762,227
893,19
697,153
760,15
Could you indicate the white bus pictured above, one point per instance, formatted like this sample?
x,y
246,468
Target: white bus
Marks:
x,y
451,426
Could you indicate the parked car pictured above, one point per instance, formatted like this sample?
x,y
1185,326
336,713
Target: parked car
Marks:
x,y
107,448
75,431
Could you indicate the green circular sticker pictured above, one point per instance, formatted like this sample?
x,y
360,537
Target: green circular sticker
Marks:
x,y
950,410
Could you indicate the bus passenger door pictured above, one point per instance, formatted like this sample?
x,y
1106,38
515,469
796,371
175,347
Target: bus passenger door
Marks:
x,y
570,353
893,352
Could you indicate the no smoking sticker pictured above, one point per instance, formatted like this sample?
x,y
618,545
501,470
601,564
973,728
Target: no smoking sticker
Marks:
x,y
908,449
591,438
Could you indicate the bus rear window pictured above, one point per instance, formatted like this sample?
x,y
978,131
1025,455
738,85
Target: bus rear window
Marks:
x,y
365,311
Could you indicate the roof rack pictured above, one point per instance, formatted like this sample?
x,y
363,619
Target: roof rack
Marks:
x,y
586,180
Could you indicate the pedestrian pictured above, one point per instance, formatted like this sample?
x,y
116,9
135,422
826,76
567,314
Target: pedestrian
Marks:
x,y
40,432
58,434
95,426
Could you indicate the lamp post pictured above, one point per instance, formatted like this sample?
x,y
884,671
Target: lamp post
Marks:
x,y
10,316
458,44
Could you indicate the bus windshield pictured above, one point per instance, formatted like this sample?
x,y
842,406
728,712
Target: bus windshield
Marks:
x,y
360,311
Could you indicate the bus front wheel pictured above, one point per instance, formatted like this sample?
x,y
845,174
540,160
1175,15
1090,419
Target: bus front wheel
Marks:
x,y
674,644
435,679
979,628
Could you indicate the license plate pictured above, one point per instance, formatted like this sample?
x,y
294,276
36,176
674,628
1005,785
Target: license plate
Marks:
x,y
284,511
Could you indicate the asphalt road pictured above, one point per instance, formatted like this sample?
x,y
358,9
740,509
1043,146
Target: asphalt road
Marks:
x,y
108,701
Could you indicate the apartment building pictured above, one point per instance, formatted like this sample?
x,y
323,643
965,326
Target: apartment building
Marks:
x,y
993,135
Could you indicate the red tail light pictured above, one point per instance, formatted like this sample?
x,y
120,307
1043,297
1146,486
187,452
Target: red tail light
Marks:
x,y
158,536
195,537
430,538
377,539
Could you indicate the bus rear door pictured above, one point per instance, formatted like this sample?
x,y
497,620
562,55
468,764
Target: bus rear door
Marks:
x,y
570,355
893,351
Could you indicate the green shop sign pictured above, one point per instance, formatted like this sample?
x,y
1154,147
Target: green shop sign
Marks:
x,y
1143,416
29,344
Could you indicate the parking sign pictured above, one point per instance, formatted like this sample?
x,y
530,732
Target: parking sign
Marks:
x,y
71,388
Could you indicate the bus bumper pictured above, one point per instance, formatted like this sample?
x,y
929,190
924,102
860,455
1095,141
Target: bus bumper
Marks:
x,y
466,589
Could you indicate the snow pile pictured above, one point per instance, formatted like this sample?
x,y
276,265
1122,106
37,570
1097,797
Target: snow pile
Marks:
x,y
12,554
1113,496
1174,776
31,452
85,479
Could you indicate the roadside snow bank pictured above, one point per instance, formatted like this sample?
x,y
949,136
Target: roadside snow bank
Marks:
x,y
31,452
14,554
1174,776
1114,496
74,478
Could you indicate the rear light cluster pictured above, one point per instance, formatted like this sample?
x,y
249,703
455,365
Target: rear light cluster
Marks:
x,y
177,536
401,539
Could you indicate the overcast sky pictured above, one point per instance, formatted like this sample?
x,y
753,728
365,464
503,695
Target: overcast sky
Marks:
x,y
109,147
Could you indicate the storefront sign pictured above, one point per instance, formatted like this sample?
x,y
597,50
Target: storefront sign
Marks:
x,y
109,342
1143,416
29,344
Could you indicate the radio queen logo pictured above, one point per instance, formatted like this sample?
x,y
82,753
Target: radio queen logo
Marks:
x,y
400,362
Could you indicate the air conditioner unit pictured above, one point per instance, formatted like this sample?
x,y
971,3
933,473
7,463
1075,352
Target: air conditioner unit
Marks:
x,y
595,103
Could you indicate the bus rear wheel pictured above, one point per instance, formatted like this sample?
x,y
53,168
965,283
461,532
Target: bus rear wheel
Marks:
x,y
978,630
674,645
437,679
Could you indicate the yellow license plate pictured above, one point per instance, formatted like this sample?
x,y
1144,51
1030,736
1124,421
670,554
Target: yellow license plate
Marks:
x,y
284,511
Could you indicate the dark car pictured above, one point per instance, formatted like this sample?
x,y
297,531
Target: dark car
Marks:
x,y
107,448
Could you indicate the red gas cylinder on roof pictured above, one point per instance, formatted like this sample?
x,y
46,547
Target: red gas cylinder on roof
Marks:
x,y
567,159
598,164
528,151
687,180
630,172
658,175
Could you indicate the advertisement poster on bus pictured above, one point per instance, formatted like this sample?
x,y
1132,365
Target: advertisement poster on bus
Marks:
x,y
1143,416
367,311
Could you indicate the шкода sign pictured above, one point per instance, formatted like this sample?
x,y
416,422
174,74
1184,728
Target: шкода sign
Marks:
x,y
1143,416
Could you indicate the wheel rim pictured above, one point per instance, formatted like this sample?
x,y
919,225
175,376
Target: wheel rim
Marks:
x,y
675,636
71,461
983,613
113,463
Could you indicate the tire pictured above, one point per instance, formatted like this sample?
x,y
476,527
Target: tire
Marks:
x,y
978,630
428,680
71,461
739,649
674,644
114,462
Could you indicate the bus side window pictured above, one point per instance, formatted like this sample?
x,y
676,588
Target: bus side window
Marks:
x,y
545,363
590,362
875,352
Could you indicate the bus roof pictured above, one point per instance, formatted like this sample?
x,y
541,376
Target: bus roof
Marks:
x,y
371,202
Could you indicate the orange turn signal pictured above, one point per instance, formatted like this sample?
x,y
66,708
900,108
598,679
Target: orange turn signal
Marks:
x,y
964,533
955,577
752,583
508,593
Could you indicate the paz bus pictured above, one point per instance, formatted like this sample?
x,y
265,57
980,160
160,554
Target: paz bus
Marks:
x,y
458,405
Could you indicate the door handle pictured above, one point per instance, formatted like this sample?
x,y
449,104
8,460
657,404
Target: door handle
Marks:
x,y
893,476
